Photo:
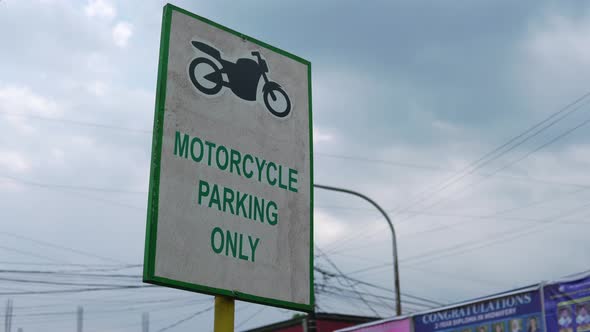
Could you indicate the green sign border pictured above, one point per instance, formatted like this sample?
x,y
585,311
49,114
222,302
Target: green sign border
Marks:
x,y
154,186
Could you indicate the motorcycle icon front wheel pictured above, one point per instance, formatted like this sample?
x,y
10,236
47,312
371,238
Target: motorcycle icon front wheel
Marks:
x,y
277,102
205,76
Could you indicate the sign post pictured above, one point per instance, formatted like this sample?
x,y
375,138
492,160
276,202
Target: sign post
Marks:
x,y
224,314
230,206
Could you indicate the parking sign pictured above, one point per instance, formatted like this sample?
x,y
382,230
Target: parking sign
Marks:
x,y
230,208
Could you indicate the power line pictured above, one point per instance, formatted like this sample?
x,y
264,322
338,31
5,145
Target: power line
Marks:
x,y
536,203
108,311
35,272
336,245
470,219
340,272
27,253
525,178
140,323
455,276
498,238
502,149
517,160
113,303
381,297
329,155
468,246
354,298
79,290
70,187
260,310
45,282
78,123
357,281
74,188
71,273
351,285
51,245
60,264
191,316
477,164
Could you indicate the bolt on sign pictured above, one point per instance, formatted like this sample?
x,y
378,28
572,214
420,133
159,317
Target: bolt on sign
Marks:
x,y
231,188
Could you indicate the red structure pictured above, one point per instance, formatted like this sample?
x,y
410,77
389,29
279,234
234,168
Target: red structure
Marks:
x,y
324,322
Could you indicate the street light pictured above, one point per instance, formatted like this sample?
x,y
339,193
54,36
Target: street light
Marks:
x,y
398,302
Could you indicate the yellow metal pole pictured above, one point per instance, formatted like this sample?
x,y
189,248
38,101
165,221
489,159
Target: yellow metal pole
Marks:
x,y
224,314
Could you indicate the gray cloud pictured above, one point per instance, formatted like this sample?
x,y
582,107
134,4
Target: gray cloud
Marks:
x,y
425,84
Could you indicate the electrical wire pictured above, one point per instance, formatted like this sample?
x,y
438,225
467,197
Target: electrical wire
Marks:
x,y
79,290
470,246
51,245
351,285
27,253
189,317
501,150
256,313
347,276
509,164
78,123
510,177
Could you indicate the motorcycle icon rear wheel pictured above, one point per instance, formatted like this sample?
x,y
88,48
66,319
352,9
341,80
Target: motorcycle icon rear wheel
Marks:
x,y
215,76
267,98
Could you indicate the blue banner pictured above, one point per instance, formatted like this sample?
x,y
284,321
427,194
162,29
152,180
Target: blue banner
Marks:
x,y
519,312
567,306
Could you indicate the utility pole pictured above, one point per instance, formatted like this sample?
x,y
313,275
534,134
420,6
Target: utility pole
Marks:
x,y
145,322
8,316
80,318
310,322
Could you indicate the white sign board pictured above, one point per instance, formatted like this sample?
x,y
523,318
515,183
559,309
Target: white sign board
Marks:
x,y
231,190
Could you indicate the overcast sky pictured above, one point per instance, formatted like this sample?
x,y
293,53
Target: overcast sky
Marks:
x,y
406,95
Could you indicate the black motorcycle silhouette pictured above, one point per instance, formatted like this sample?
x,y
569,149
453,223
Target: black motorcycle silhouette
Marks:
x,y
242,78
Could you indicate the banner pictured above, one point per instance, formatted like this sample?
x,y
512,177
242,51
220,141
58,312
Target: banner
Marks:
x,y
567,306
518,312
386,325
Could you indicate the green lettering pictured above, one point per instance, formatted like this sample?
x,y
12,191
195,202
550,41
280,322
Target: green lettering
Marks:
x,y
250,207
231,243
272,216
243,257
219,249
273,181
235,158
246,173
253,247
292,180
200,157
181,147
281,185
240,204
258,209
203,190
210,146
220,149
260,166
215,198
228,199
